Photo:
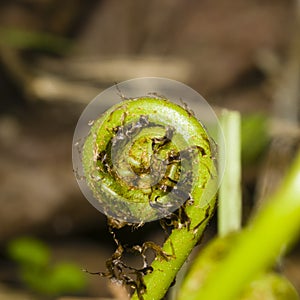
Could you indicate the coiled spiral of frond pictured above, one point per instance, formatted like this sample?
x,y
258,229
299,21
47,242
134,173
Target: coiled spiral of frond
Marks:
x,y
145,157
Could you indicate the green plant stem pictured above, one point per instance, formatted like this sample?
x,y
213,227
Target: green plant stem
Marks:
x,y
230,202
276,226
179,245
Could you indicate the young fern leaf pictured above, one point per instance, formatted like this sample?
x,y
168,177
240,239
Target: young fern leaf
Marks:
x,y
143,159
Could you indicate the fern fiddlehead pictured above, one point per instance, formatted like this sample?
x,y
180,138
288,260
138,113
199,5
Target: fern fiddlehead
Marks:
x,y
143,159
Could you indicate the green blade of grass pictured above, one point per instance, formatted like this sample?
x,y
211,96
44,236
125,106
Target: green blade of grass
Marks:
x,y
230,202
276,226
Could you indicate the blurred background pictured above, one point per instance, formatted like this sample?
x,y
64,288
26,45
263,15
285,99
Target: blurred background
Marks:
x,y
56,56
